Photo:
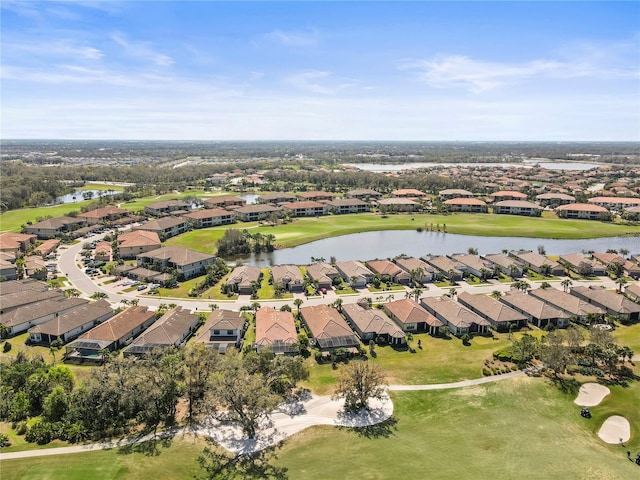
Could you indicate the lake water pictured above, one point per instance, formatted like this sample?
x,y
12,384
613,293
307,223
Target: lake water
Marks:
x,y
383,168
77,196
250,198
391,243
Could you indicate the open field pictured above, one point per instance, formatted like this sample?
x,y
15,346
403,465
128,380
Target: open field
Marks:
x,y
14,219
518,428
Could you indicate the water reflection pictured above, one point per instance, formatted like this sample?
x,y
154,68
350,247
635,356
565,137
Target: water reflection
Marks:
x,y
391,243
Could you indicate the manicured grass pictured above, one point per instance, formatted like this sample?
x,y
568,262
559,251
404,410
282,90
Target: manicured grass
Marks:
x,y
14,219
175,460
103,187
629,336
521,428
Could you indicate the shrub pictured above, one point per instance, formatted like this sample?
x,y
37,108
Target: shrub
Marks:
x,y
40,432
4,440
21,428
6,347
486,372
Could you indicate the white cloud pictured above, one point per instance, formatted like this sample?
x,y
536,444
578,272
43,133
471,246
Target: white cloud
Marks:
x,y
454,71
294,39
142,50
315,81
56,48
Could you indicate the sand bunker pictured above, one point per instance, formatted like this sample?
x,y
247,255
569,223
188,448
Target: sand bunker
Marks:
x,y
591,394
615,429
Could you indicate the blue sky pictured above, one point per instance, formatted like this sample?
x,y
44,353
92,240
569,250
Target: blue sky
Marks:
x,y
321,70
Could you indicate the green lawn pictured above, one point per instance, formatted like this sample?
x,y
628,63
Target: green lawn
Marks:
x,y
520,428
14,219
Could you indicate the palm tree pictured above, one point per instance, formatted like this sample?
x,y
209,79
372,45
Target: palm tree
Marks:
x,y
624,252
97,295
297,302
545,269
338,304
415,293
255,306
71,292
213,306
566,283
496,294
621,282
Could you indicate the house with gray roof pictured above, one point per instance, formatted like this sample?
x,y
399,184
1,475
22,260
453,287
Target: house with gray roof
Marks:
x,y
422,271
289,276
371,323
582,265
459,319
254,213
113,334
223,329
341,206
245,279
537,312
366,194
517,207
53,227
304,208
499,315
22,318
474,265
411,317
165,227
323,273
632,291
72,323
166,207
329,331
613,303
535,262
186,262
506,264
577,308
355,273
446,267
170,330
387,268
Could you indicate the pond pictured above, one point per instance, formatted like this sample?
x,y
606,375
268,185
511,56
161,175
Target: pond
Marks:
x,y
250,198
391,243
81,195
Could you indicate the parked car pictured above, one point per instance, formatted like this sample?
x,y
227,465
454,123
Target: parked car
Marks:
x,y
141,287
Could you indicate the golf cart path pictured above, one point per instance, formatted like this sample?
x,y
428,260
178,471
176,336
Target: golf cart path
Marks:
x,y
289,419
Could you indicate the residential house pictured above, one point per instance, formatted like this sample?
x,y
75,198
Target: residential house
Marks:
x,y
616,203
499,315
328,329
323,273
102,215
503,195
35,267
341,206
554,199
276,331
8,269
630,269
166,207
474,265
450,193
16,243
633,291
613,303
537,312
254,213
244,279
364,194
71,324
29,291
210,217
467,205
170,330
53,227
411,317
504,263
372,323
224,201
111,335
535,261
22,318
582,265
188,263
408,193
418,269
315,196
459,319
289,276
632,213
136,242
144,275
575,307
386,268
165,227
47,247
102,252
446,267
355,273
517,207
398,204
304,208
276,198
585,211
223,329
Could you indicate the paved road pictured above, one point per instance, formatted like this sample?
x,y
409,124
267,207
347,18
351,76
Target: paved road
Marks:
x,y
68,264
462,384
